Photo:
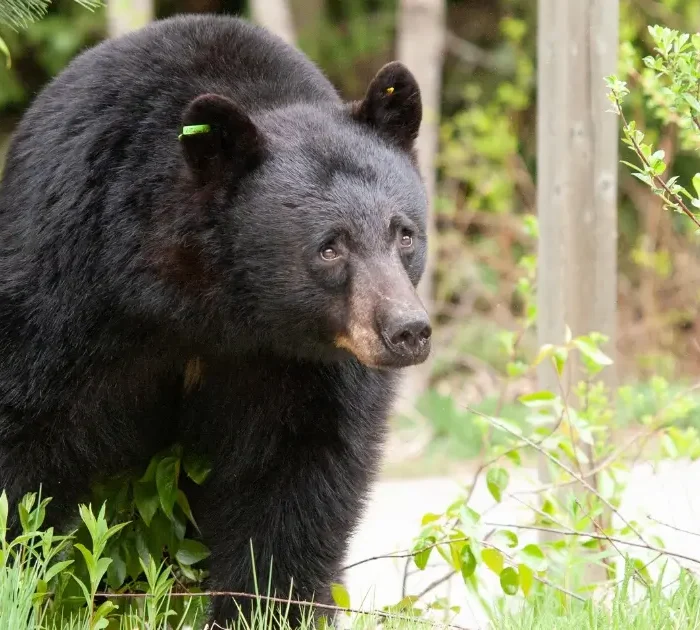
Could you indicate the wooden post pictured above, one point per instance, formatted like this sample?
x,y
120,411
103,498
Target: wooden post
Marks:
x,y
421,47
577,162
276,16
128,15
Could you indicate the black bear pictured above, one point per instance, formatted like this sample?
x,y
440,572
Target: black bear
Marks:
x,y
201,242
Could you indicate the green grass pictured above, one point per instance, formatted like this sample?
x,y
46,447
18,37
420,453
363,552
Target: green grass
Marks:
x,y
27,567
674,607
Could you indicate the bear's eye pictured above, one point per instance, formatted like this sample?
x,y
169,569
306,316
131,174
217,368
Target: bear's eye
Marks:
x,y
328,253
406,239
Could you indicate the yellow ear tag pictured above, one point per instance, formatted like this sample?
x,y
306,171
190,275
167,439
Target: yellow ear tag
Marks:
x,y
390,90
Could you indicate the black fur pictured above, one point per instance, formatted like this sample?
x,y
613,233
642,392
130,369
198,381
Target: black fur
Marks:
x,y
125,253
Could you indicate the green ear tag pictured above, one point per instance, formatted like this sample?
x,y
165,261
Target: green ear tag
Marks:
x,y
191,130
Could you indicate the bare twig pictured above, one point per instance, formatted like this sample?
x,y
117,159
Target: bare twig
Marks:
x,y
673,527
540,579
610,541
282,600
592,535
435,583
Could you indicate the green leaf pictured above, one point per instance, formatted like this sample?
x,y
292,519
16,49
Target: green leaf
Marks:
x,y
6,52
692,101
538,399
454,558
505,537
4,510
559,358
526,578
99,617
545,351
468,517
116,572
87,555
510,581
101,567
533,557
493,559
196,467
185,507
405,605
167,475
589,350
423,549
150,474
696,184
146,499
83,588
340,595
497,482
429,518
191,552
468,562
55,569
40,591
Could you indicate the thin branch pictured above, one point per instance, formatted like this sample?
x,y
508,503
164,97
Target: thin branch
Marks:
x,y
282,600
673,527
564,467
610,541
660,183
620,541
467,539
655,427
435,583
542,580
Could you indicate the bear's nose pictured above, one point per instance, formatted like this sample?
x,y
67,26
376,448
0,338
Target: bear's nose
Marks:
x,y
408,334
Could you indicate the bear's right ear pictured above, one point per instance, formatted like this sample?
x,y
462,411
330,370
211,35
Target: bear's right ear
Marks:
x,y
392,105
219,139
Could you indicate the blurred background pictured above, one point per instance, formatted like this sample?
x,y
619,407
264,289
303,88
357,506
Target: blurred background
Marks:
x,y
475,60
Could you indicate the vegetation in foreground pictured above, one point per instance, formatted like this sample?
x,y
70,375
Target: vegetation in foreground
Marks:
x,y
36,567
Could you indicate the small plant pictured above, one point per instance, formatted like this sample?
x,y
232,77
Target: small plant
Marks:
x,y
137,543
672,86
19,14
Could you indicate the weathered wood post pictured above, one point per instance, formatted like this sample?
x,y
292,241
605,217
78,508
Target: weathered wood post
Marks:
x,y
421,46
577,162
128,15
276,16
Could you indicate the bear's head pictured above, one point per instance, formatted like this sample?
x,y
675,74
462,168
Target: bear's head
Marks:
x,y
320,221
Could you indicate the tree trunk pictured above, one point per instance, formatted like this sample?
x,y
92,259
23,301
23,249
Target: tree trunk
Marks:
x,y
276,16
420,46
128,15
577,165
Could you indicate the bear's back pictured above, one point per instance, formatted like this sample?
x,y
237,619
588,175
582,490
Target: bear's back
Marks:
x,y
106,127
183,56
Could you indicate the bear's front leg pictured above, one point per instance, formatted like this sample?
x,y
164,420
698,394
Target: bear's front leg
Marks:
x,y
283,534
293,449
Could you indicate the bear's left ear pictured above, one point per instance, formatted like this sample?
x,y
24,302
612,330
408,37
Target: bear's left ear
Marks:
x,y
392,105
219,139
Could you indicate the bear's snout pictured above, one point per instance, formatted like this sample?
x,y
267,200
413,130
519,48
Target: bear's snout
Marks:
x,y
387,325
407,335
